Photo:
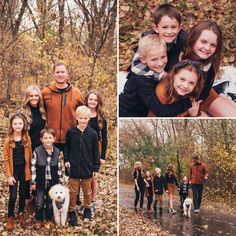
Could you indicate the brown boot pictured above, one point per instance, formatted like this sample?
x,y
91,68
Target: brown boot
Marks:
x,y
38,225
10,223
29,206
22,220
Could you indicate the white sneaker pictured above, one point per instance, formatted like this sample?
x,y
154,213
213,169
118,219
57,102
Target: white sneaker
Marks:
x,y
173,211
93,208
196,211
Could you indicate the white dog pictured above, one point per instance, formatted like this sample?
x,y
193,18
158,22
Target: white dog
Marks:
x,y
187,206
60,202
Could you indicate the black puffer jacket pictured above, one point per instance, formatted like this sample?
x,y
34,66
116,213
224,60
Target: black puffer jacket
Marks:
x,y
82,152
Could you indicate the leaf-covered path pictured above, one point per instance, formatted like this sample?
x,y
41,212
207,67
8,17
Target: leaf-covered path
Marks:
x,y
208,222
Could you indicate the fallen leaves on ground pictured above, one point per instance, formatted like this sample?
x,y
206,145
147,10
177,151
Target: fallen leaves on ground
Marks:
x,y
131,223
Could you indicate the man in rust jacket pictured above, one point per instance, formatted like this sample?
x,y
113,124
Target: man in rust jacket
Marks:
x,y
61,100
198,175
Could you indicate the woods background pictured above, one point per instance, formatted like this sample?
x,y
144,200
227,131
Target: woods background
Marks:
x,y
136,17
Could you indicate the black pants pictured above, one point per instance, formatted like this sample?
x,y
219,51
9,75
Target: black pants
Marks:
x,y
42,200
149,200
139,194
19,175
182,198
197,195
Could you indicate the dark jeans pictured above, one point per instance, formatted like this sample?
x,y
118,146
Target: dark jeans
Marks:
x,y
138,194
149,200
197,195
42,199
182,198
19,175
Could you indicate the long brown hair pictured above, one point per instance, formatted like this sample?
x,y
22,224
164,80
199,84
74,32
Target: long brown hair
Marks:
x,y
26,105
99,108
193,36
170,168
24,133
169,81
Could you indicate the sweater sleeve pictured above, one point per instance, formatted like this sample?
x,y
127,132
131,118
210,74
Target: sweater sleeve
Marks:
x,y
6,156
147,93
104,139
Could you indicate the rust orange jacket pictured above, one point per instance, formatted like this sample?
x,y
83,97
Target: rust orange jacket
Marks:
x,y
60,108
198,172
8,158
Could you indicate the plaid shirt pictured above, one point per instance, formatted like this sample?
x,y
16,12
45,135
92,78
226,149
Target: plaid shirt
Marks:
x,y
47,170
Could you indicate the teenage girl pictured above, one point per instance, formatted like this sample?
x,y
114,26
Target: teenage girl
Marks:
x,y
34,112
140,185
171,182
149,191
204,44
184,80
17,157
98,122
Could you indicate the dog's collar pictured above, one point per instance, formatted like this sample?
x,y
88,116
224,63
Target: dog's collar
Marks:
x,y
60,204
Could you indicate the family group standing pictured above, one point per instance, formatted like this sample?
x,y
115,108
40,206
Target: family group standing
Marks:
x,y
154,186
51,121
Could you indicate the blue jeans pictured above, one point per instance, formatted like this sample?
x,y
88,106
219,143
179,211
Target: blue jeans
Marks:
x,y
197,195
42,200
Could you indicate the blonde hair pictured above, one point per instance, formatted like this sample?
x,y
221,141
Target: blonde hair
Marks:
x,y
26,105
99,108
137,164
83,110
150,42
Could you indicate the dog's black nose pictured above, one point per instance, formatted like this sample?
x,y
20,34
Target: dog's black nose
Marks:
x,y
59,197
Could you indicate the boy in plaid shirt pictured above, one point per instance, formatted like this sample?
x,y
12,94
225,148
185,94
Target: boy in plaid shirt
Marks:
x,y
46,172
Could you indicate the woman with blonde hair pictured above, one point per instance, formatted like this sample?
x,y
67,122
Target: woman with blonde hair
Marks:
x,y
140,185
35,116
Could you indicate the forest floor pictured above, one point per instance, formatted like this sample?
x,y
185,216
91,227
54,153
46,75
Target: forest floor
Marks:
x,y
215,218
104,221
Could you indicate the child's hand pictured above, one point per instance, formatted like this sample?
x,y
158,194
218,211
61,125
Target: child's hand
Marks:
x,y
11,180
147,185
156,190
138,189
166,191
102,161
67,164
95,174
193,111
33,187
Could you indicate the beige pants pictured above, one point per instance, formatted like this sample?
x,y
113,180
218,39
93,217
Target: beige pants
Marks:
x,y
74,189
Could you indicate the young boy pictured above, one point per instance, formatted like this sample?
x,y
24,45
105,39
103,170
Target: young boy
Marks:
x,y
159,187
183,191
46,172
167,24
139,96
82,157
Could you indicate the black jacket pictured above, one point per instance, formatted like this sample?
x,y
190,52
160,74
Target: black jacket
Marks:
x,y
170,179
159,184
81,150
139,97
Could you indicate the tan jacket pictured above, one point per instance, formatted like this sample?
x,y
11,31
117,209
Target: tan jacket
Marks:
x,y
8,158
60,108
